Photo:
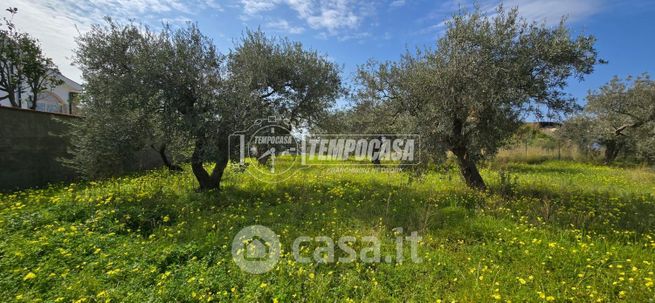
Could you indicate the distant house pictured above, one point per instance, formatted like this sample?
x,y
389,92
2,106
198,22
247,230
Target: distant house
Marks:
x,y
547,126
58,99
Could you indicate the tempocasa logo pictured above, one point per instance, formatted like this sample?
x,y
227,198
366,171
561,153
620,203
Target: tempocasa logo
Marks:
x,y
275,152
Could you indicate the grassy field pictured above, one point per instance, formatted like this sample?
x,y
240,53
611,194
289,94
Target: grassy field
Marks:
x,y
554,232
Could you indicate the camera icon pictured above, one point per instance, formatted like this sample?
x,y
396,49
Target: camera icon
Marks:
x,y
256,249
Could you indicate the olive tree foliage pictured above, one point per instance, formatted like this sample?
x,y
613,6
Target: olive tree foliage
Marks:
x,y
23,65
287,80
260,77
176,85
620,117
106,141
468,94
284,80
119,124
580,131
365,117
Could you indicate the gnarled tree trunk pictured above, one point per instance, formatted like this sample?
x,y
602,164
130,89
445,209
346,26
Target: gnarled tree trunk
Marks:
x,y
206,180
612,150
164,158
468,169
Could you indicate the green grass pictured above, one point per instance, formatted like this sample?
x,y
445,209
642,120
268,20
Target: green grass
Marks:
x,y
555,231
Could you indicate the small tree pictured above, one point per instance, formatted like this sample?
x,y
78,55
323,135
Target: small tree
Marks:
x,y
620,117
22,62
469,94
579,130
10,60
39,72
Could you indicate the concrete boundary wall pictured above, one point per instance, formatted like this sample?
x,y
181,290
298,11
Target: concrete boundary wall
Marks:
x,y
31,142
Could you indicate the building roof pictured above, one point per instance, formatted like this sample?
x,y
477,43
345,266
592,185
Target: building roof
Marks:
x,y
72,84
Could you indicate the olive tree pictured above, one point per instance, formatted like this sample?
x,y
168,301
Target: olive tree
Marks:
x,y
284,78
620,117
176,84
469,93
117,125
261,76
581,132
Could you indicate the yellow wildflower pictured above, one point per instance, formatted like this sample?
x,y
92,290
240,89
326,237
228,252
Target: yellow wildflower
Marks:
x,y
29,276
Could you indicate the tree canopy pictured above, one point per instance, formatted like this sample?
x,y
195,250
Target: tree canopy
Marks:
x,y
23,65
177,85
468,94
620,117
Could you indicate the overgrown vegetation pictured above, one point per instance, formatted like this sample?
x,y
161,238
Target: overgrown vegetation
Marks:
x,y
529,230
468,95
619,118
557,231
173,90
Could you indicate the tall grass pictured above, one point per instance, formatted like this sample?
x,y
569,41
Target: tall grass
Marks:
x,y
538,154
555,231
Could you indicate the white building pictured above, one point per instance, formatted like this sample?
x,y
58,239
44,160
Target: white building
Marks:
x,y
55,100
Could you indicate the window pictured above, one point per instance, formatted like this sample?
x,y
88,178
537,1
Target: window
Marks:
x,y
48,102
53,108
72,101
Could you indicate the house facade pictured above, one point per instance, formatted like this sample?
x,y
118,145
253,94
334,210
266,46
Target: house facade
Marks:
x,y
59,99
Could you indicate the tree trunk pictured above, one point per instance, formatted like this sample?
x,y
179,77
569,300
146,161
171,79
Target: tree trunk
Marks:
x,y
11,95
263,160
376,154
164,158
468,169
209,181
33,100
611,151
206,180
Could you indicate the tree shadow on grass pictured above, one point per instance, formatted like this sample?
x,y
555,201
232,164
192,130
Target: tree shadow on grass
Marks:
x,y
595,211
539,169
398,205
375,205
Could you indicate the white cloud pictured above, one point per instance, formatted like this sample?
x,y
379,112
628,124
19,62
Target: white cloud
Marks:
x,y
332,16
176,20
551,11
329,15
213,5
252,7
355,36
284,26
397,3
56,23
548,11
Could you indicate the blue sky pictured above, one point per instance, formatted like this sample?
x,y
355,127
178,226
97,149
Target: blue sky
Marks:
x,y
350,32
